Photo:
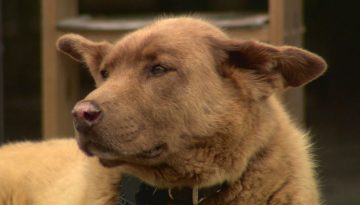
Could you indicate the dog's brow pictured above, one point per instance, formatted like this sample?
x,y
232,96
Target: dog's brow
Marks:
x,y
155,52
153,45
107,64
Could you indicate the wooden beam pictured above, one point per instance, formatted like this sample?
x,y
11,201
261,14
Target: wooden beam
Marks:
x,y
225,20
260,34
277,28
60,76
238,25
286,22
294,25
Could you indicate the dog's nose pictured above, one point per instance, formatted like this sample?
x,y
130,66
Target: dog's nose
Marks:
x,y
86,114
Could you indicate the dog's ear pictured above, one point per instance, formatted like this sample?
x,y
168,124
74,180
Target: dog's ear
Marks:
x,y
280,66
83,50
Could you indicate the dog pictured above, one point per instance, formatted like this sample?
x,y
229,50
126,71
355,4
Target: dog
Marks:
x,y
180,106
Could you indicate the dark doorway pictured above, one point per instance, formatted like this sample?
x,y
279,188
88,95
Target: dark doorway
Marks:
x,y
1,78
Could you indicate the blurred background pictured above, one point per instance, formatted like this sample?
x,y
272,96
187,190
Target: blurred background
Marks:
x,y
332,103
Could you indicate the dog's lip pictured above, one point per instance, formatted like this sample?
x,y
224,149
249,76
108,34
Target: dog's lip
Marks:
x,y
153,153
111,162
88,147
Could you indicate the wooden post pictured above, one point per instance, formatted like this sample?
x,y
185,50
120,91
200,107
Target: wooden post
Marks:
x,y
59,73
286,22
286,27
277,25
2,137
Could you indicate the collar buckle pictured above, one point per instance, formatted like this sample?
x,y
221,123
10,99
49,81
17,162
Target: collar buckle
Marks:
x,y
195,195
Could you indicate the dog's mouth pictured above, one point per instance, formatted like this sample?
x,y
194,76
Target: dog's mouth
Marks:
x,y
150,154
153,153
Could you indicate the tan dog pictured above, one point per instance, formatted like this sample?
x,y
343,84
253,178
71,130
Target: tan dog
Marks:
x,y
179,104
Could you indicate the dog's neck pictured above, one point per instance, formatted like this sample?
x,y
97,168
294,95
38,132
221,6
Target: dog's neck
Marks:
x,y
136,192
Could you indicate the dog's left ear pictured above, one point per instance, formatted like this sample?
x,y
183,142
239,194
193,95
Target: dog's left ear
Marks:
x,y
83,50
294,66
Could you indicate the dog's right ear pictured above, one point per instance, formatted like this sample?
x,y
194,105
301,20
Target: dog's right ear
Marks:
x,y
271,68
83,50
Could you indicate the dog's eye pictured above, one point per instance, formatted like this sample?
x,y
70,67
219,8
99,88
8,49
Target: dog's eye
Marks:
x,y
104,74
158,70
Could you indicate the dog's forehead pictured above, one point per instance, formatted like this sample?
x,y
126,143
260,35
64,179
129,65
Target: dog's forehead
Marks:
x,y
144,46
174,36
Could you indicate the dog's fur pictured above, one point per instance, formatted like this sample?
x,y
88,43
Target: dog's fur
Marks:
x,y
54,172
212,110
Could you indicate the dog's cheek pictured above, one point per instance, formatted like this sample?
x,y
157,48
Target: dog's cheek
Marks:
x,y
164,96
168,87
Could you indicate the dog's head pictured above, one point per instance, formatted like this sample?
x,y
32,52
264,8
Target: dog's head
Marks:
x,y
170,96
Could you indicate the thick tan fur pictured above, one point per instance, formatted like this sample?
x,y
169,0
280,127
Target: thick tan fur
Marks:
x,y
53,172
213,112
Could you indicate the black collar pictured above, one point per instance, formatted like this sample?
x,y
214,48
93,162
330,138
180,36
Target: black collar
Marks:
x,y
135,192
